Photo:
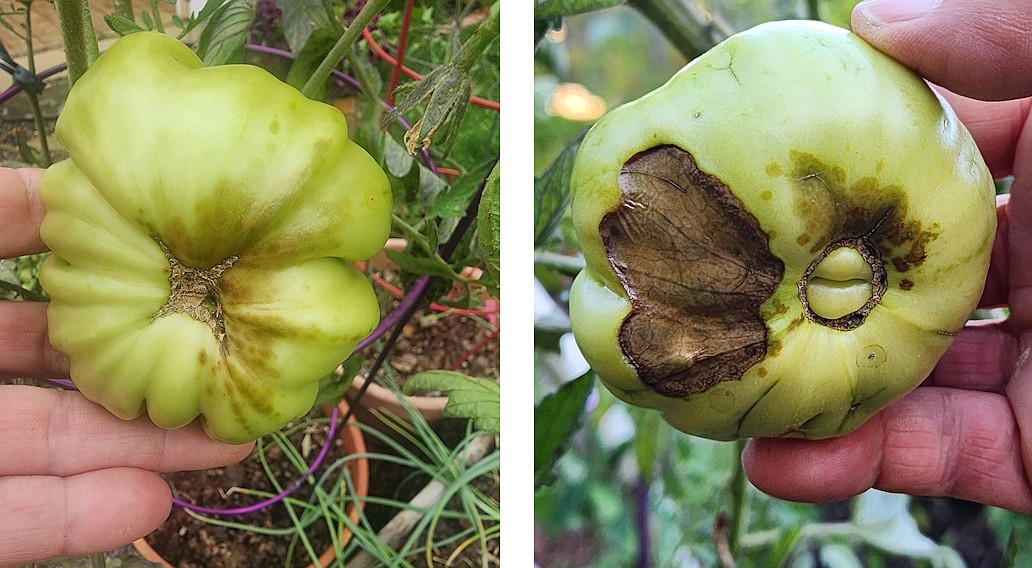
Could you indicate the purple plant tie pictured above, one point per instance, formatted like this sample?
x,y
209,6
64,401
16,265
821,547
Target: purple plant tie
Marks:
x,y
282,494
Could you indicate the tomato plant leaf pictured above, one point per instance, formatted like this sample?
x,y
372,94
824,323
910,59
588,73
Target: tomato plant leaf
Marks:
x,y
784,546
333,386
478,141
421,265
209,10
121,25
397,160
474,398
300,19
489,232
311,55
452,201
430,185
222,40
552,193
556,418
447,89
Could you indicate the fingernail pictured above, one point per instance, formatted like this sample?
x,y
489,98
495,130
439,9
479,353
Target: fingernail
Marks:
x,y
879,12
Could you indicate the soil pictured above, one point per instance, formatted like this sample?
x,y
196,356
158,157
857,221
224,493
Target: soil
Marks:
x,y
432,341
187,542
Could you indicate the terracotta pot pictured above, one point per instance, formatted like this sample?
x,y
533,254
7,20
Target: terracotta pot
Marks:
x,y
385,400
353,442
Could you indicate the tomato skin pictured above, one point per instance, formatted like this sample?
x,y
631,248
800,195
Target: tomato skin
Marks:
x,y
820,139
245,193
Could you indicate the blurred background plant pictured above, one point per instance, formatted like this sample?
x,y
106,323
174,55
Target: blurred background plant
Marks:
x,y
616,486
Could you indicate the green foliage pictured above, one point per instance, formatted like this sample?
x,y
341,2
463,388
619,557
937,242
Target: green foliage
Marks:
x,y
489,239
223,38
447,90
552,194
316,47
556,418
452,201
302,19
477,399
19,278
333,386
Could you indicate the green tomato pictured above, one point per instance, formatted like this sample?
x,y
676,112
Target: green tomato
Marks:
x,y
201,232
781,240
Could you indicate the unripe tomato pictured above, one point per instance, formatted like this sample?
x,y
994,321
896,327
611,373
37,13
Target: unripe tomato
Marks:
x,y
781,240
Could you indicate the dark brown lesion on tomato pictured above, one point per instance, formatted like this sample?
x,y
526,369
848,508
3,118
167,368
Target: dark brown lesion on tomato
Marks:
x,y
696,266
835,209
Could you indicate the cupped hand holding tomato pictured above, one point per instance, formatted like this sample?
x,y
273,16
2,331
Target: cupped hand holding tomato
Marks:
x,y
965,433
74,478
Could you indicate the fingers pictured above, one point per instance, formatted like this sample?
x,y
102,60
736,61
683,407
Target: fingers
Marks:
x,y
981,359
977,48
25,349
935,441
64,434
997,128
1019,393
997,284
95,511
20,212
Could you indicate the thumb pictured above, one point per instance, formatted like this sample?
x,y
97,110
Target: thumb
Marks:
x,y
977,48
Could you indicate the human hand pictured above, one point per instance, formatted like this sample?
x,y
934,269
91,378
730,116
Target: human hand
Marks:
x,y
967,432
74,479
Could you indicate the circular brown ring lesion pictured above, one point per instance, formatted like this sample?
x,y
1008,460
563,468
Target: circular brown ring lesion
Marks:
x,y
879,284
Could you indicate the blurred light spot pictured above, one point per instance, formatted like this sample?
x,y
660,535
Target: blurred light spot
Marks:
x,y
616,427
574,102
703,10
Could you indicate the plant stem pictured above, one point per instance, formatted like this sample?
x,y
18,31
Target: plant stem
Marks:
x,y
397,319
37,113
78,36
814,9
690,30
28,39
641,520
739,502
97,560
399,58
365,15
474,47
41,130
561,263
